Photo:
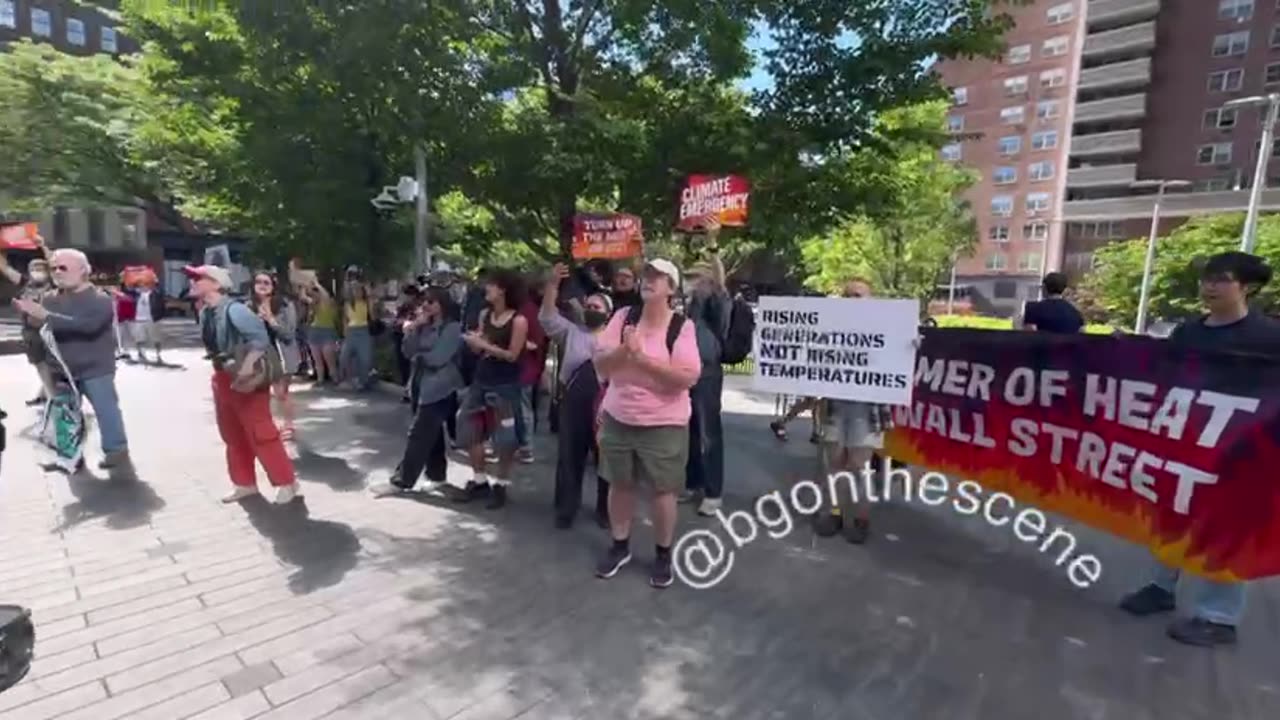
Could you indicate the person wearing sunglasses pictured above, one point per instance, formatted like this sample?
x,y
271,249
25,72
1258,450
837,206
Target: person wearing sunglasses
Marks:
x,y
81,318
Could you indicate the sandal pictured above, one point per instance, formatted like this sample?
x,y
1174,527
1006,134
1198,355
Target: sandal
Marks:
x,y
779,430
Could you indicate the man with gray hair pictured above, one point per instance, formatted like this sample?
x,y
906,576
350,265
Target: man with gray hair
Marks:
x,y
80,317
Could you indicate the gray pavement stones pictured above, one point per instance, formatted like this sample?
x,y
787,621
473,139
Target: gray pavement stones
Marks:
x,y
153,600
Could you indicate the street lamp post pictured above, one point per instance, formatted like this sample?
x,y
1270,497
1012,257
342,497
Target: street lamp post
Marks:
x,y
1145,294
1272,101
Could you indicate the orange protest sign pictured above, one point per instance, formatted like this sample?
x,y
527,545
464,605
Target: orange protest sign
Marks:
x,y
22,236
712,199
611,236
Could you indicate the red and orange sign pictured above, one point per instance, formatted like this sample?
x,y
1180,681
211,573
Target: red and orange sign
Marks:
x,y
22,236
612,236
719,198
138,276
1169,448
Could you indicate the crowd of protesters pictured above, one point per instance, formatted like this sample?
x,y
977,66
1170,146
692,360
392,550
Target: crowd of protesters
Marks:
x,y
639,352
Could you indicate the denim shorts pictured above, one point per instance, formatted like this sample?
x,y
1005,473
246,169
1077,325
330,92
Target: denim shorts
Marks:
x,y
489,413
322,336
849,425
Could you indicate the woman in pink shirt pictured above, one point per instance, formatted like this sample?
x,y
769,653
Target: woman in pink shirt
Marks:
x,y
649,356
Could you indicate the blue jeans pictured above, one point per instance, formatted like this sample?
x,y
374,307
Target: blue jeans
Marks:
x,y
1217,602
524,418
101,393
705,468
357,355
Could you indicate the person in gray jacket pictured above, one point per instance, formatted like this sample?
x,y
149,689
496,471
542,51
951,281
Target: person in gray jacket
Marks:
x,y
432,340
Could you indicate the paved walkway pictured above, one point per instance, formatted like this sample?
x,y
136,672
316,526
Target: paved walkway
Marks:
x,y
153,600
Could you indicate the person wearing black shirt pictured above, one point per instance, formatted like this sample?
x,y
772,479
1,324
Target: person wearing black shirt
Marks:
x,y
1053,314
1227,282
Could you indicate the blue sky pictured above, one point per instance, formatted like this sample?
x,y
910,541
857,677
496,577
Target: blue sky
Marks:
x,y
760,79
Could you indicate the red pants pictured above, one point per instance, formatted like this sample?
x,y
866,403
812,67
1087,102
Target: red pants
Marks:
x,y
246,426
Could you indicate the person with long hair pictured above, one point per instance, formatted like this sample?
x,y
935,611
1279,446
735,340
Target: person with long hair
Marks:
x,y
432,340
322,334
490,405
356,358
281,319
579,393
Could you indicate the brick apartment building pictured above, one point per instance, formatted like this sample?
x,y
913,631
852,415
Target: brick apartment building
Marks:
x,y
1090,97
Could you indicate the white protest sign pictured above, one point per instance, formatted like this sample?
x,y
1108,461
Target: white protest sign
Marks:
x,y
841,348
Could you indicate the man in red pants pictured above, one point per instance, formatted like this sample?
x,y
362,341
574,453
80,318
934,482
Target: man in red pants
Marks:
x,y
243,411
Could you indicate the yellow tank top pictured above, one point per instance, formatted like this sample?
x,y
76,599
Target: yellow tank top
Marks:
x,y
326,315
357,314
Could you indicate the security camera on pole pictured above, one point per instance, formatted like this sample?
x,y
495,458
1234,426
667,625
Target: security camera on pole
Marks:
x,y
406,191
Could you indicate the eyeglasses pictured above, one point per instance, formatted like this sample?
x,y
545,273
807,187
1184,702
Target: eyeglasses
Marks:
x,y
61,268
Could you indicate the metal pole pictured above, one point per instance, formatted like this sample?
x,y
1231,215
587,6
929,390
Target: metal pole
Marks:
x,y
421,221
1141,326
951,290
1260,174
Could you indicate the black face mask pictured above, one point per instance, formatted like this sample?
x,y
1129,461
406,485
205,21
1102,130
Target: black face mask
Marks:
x,y
594,318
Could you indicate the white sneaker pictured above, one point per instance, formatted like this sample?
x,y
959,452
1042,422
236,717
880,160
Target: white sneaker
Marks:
x,y
239,493
709,506
382,490
431,487
287,493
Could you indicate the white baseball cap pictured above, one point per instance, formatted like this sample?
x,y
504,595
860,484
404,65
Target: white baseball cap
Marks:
x,y
668,268
213,272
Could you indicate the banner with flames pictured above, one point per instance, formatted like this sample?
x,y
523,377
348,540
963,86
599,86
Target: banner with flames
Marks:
x,y
1170,448
714,199
613,236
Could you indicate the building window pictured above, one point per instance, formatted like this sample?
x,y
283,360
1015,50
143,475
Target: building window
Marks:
x,y
41,24
1235,9
997,261
1002,205
951,153
1018,55
1010,145
1004,175
1042,170
998,233
1036,231
1220,118
1226,80
108,41
1029,262
1059,14
1047,109
1053,47
1215,154
1103,230
1218,184
1038,202
1228,44
8,14
1012,115
955,123
1273,74
1015,85
960,96
1046,140
75,32
1275,36
1053,78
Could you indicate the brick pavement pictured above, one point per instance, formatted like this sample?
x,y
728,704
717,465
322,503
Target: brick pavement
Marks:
x,y
153,600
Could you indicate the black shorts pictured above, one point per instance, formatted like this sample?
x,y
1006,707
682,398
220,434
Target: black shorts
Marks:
x,y
34,347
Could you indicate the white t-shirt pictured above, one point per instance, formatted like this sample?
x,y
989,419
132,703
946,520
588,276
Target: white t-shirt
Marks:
x,y
144,307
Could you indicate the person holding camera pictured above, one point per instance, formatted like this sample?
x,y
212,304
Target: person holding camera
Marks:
x,y
238,342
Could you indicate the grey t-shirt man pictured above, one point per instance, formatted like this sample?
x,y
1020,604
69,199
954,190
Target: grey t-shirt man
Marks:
x,y
81,322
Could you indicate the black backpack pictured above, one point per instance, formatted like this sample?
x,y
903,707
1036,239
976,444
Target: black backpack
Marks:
x,y
17,644
742,330
673,329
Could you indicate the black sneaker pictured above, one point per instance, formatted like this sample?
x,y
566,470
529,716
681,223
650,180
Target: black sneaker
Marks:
x,y
858,531
1150,600
661,577
497,497
1202,633
602,519
826,525
472,491
613,560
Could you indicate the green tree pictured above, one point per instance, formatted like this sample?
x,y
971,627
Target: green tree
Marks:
x,y
1116,279
913,222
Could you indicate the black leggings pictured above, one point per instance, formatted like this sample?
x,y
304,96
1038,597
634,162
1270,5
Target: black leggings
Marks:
x,y
425,448
576,440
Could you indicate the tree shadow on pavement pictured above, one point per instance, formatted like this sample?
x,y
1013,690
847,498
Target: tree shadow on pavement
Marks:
x,y
124,500
332,471
323,551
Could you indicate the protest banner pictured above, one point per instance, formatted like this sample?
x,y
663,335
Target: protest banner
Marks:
x,y
20,236
1170,448
612,236
721,197
843,348
134,276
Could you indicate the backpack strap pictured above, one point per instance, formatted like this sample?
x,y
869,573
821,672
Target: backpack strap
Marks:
x,y
673,331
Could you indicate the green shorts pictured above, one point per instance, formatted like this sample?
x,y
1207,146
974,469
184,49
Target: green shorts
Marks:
x,y
653,456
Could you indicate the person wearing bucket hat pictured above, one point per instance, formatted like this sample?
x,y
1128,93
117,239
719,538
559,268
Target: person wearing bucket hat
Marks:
x,y
235,339
648,355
